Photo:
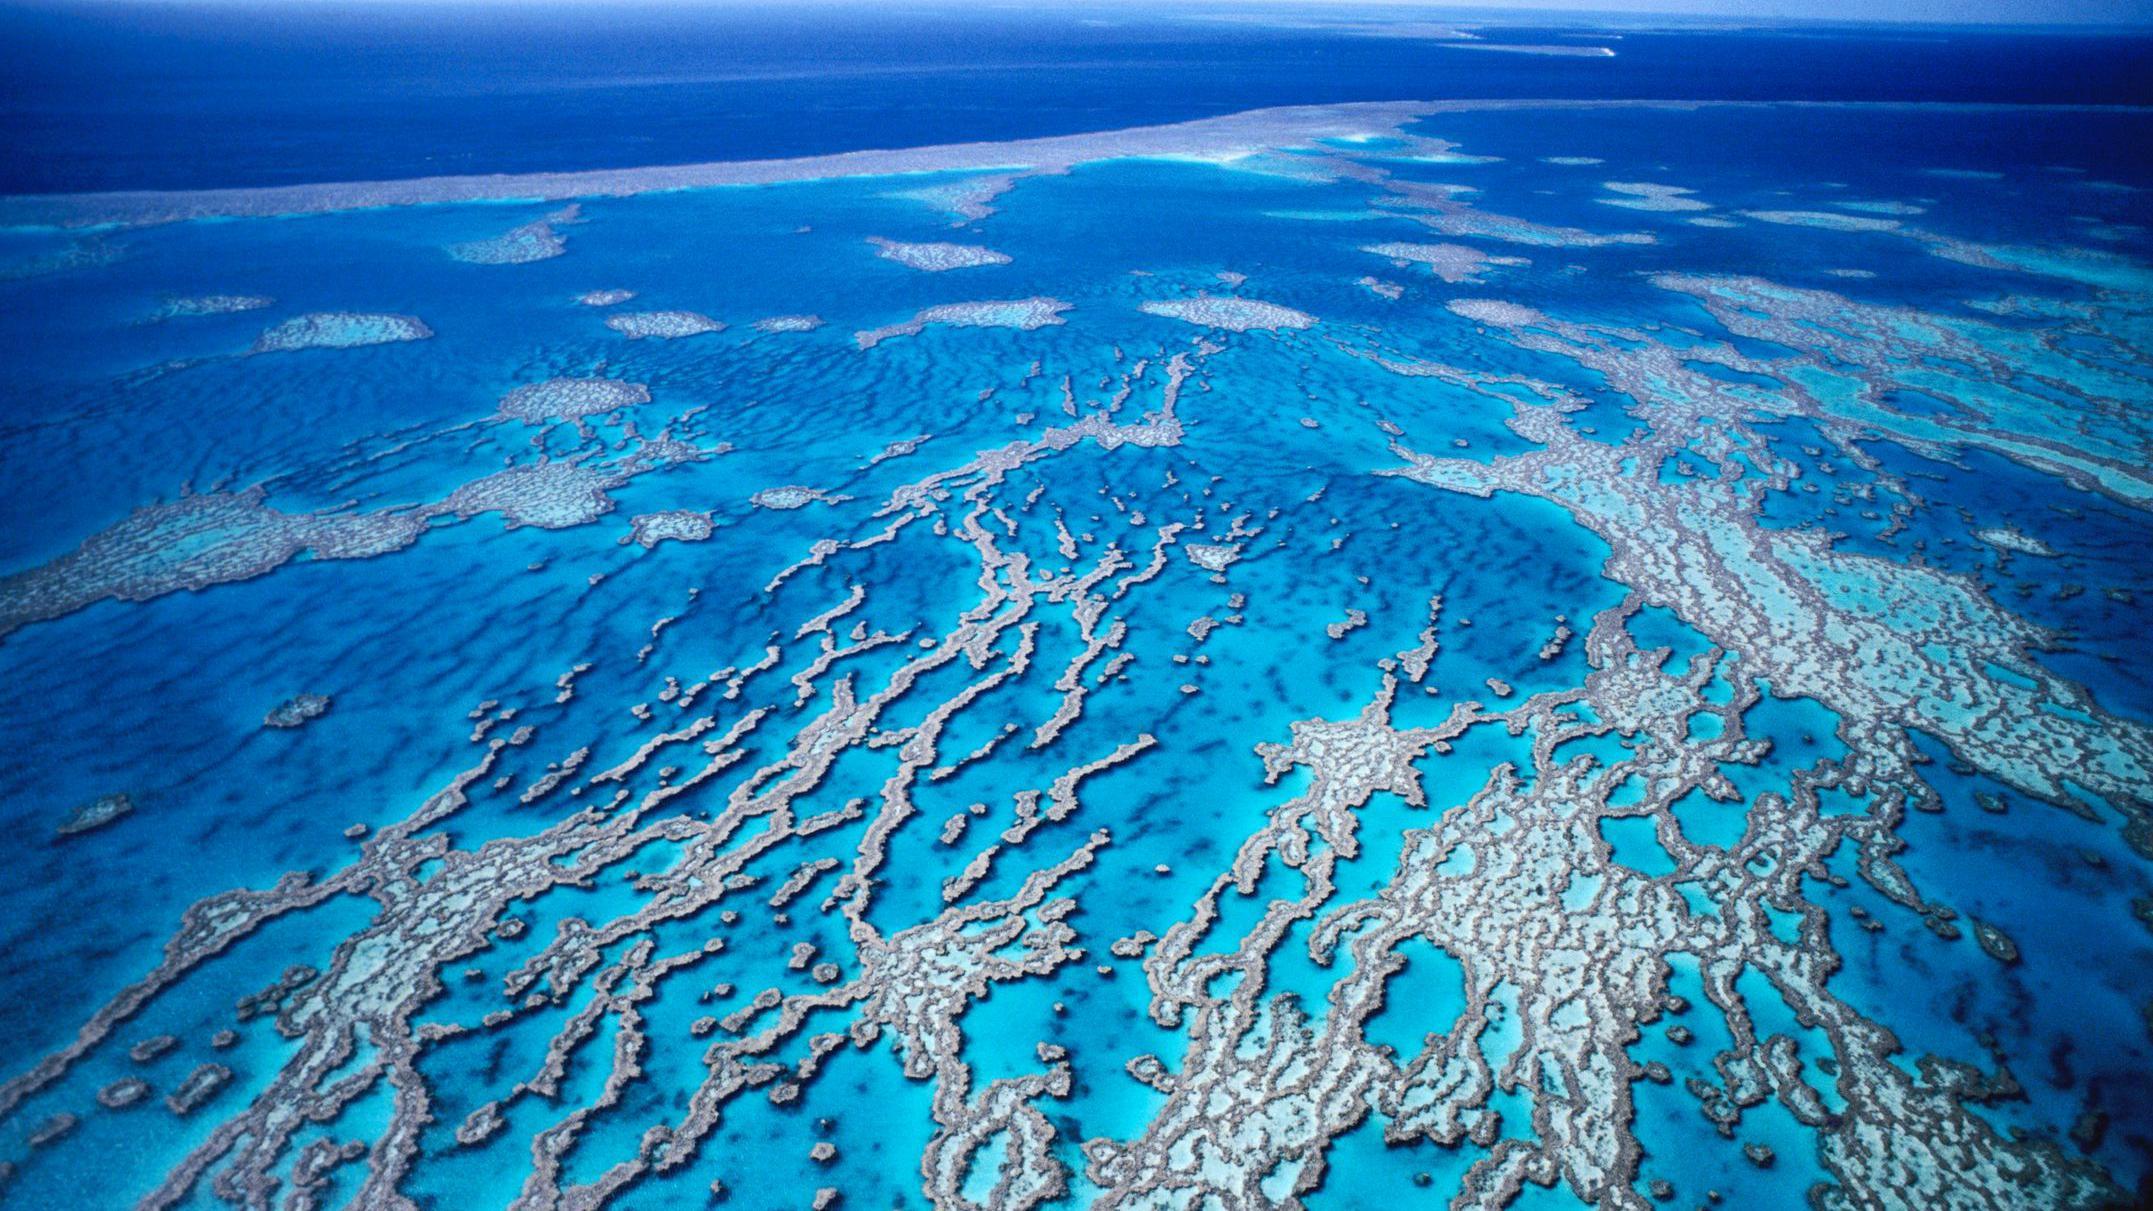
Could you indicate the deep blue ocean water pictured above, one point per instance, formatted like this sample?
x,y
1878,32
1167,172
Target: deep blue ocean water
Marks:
x,y
115,405
159,96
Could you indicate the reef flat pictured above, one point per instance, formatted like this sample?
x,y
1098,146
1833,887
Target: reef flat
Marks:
x,y
1283,128
1071,691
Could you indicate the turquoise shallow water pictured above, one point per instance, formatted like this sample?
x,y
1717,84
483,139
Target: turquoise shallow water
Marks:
x,y
634,973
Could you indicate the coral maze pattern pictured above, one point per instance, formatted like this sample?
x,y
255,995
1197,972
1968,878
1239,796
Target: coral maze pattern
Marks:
x,y
985,843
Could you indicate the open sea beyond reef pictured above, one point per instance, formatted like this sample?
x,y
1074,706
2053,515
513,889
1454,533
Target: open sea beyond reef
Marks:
x,y
1544,652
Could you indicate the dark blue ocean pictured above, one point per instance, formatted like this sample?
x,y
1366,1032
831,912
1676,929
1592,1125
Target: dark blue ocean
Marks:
x,y
164,96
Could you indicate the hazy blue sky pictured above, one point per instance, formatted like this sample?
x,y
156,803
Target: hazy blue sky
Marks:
x,y
2136,12
2039,12
1945,11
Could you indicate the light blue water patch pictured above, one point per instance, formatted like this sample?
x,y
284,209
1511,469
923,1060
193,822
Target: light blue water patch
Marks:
x,y
1364,1171
1680,1143
1704,820
1800,731
1706,725
1657,627
1683,466
1454,778
1635,842
1770,1015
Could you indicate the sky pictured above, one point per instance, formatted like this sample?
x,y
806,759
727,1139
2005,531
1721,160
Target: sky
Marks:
x,y
1961,12
1997,12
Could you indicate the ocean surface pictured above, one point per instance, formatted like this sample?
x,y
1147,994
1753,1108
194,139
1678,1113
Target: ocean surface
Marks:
x,y
174,96
1533,655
